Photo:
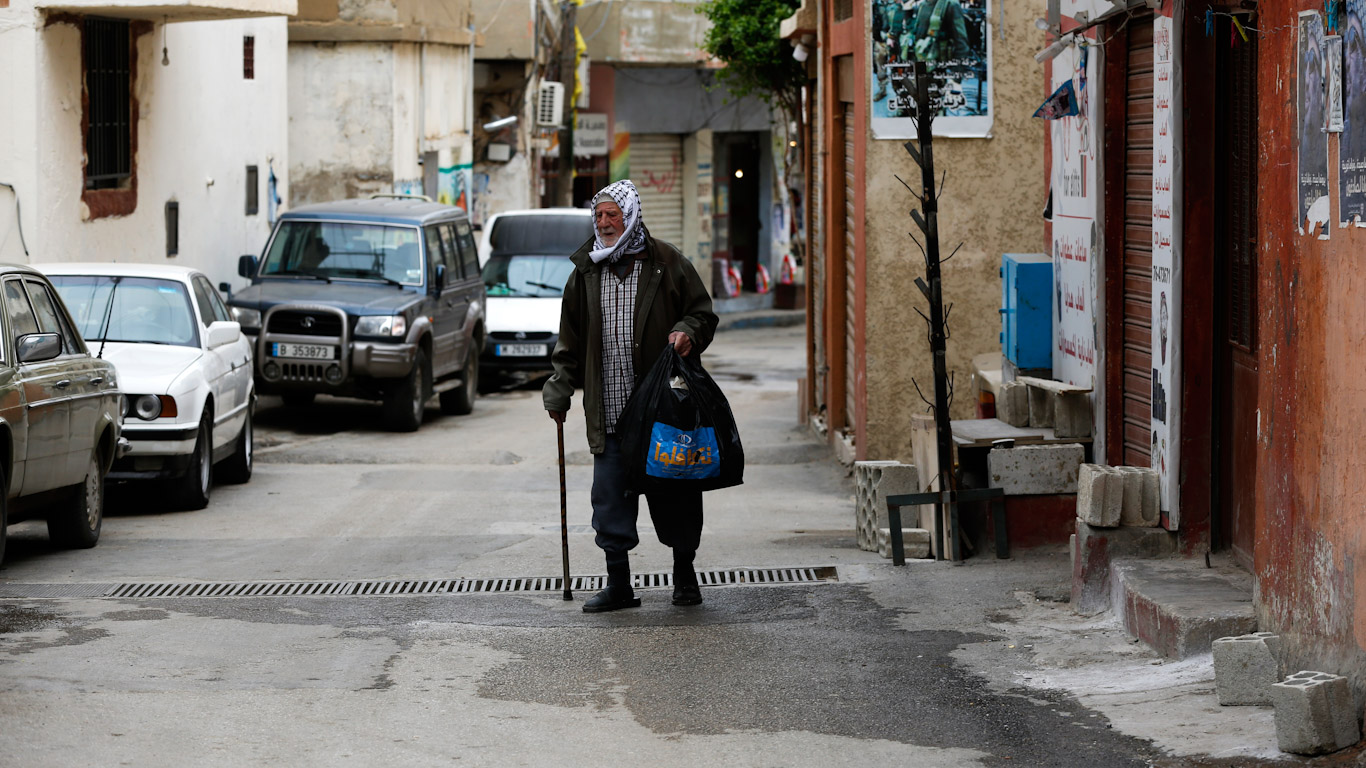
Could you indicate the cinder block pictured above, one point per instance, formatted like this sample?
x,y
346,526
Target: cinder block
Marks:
x,y
1033,470
1245,668
915,541
1315,713
1152,497
1114,496
1091,494
1040,407
1132,511
1072,415
874,481
1012,403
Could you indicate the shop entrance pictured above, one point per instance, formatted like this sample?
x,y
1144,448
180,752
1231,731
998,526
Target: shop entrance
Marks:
x,y
737,226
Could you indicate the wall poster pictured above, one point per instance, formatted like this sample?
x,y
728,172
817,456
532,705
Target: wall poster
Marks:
x,y
1332,57
953,37
1166,267
1352,143
1077,238
1311,214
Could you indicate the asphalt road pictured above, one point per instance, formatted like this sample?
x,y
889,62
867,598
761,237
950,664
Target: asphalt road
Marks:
x,y
922,666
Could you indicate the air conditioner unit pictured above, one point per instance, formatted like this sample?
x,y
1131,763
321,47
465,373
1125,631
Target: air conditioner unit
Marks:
x,y
550,104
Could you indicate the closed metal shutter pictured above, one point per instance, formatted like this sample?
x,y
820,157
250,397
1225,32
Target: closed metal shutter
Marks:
x,y
850,275
657,170
1137,355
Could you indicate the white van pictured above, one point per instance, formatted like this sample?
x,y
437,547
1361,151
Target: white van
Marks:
x,y
525,265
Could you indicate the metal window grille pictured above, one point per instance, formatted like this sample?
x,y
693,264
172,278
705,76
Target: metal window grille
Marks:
x,y
172,228
248,57
844,9
253,190
108,138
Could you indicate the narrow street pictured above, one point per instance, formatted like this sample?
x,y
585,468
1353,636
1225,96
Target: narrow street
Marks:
x,y
918,666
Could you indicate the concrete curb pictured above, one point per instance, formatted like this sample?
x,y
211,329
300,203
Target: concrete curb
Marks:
x,y
761,318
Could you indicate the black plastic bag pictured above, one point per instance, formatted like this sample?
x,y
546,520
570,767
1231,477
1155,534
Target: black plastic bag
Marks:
x,y
677,430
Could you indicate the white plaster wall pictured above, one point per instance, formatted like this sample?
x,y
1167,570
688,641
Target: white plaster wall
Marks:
x,y
341,120
432,88
508,188
199,119
18,131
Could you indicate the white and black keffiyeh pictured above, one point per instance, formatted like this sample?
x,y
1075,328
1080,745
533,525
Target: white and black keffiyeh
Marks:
x,y
632,239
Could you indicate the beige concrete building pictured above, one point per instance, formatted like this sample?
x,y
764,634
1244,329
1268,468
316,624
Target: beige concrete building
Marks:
x,y
138,131
867,342
380,98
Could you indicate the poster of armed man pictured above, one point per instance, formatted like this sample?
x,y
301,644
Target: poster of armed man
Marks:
x,y
953,38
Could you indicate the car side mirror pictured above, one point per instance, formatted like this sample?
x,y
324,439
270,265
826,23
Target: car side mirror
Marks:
x,y
440,281
223,332
37,347
225,289
246,266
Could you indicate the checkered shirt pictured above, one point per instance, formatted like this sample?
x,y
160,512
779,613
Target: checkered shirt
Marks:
x,y
618,364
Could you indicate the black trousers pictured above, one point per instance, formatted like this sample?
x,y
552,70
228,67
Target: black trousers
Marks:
x,y
677,516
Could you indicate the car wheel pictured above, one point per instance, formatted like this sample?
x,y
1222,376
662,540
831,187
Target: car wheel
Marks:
x,y
460,401
404,404
298,399
237,467
191,491
76,524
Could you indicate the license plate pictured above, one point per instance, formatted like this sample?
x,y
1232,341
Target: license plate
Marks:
x,y
304,351
521,350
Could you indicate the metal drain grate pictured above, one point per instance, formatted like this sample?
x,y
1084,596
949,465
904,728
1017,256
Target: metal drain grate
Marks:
x,y
664,580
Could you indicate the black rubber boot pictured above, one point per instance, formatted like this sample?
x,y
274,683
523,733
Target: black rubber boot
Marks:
x,y
686,590
618,594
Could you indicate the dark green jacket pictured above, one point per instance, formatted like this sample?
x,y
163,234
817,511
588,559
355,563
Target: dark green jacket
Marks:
x,y
670,297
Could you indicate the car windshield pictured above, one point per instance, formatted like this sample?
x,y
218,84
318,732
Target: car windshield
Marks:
x,y
542,233
325,249
145,311
534,276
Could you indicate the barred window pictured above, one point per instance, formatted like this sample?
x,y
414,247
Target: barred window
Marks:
x,y
248,57
108,138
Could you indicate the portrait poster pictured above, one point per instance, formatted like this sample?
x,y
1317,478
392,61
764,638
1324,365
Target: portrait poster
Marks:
x,y
1166,265
954,39
1311,214
1332,56
1077,240
1352,143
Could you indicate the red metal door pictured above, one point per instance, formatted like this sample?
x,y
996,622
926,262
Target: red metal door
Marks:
x,y
1129,277
1235,393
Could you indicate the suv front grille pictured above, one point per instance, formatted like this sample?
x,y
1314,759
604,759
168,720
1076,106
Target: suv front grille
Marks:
x,y
302,323
520,335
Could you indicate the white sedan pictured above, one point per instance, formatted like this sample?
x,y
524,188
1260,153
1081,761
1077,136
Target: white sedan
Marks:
x,y
183,364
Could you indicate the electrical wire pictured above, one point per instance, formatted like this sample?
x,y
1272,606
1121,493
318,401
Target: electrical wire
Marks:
x,y
18,215
602,23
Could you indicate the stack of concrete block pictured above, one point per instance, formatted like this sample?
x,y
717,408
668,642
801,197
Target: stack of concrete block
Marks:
x,y
1108,497
1245,668
1035,470
1040,403
1315,713
1072,415
874,481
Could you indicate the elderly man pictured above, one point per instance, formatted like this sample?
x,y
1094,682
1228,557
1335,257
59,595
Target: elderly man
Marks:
x,y
628,296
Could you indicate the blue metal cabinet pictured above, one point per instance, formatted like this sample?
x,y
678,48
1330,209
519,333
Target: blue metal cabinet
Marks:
x,y
1026,309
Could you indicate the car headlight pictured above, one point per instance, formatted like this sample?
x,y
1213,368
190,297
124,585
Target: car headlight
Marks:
x,y
149,407
247,318
381,325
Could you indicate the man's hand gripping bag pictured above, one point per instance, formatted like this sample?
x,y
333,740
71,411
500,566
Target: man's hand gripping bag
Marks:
x,y
678,432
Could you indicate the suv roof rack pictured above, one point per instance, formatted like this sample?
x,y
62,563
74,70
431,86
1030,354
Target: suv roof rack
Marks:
x,y
400,195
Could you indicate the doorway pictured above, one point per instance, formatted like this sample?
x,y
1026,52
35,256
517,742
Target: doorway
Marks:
x,y
1235,296
737,156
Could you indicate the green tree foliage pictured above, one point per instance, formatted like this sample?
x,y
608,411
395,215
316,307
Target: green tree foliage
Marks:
x,y
744,35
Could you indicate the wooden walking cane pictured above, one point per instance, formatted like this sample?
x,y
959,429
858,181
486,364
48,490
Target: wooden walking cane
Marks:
x,y
564,513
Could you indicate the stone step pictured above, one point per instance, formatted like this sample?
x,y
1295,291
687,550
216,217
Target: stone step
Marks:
x,y
1180,607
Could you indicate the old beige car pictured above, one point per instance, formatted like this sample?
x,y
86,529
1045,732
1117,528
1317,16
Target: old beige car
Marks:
x,y
60,411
